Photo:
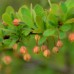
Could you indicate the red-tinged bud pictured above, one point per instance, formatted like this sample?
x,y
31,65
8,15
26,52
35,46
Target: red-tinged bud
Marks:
x,y
71,37
36,50
59,43
16,22
15,46
27,57
55,49
7,59
23,50
46,53
43,47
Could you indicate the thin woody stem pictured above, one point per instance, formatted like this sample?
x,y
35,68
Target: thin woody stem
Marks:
x,y
54,41
47,42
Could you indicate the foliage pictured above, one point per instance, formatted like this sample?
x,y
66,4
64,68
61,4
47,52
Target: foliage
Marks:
x,y
50,25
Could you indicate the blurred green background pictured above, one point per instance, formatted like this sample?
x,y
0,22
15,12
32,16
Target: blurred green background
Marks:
x,y
61,63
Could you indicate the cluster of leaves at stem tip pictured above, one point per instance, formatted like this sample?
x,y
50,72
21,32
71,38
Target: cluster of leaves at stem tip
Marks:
x,y
45,28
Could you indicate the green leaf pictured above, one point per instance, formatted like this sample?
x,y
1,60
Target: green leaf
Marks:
x,y
9,10
42,40
70,13
63,7
19,14
65,27
53,20
26,12
7,18
50,3
12,43
1,39
55,9
49,32
38,30
7,42
69,4
69,21
39,10
1,33
26,32
9,14
39,22
34,14
62,35
27,18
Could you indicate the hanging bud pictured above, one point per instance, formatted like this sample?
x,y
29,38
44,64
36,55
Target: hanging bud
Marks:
x,y
23,50
71,37
27,57
59,43
46,53
16,22
15,47
43,47
7,59
37,37
55,49
36,49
